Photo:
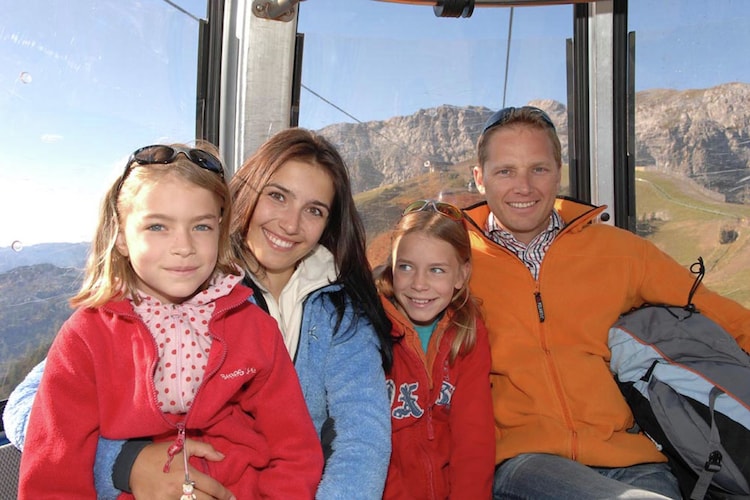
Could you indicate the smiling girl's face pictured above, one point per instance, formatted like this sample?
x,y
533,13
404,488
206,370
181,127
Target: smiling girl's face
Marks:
x,y
427,272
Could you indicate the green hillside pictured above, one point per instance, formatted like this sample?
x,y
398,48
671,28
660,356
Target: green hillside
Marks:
x,y
690,222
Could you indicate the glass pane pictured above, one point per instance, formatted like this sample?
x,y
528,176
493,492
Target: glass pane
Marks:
x,y
82,85
692,141
404,94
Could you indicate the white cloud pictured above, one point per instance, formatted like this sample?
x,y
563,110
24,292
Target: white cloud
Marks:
x,y
50,138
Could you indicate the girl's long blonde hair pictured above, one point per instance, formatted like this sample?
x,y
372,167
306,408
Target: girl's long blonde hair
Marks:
x,y
463,309
108,274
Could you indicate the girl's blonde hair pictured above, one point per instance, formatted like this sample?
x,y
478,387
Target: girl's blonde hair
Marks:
x,y
109,274
464,307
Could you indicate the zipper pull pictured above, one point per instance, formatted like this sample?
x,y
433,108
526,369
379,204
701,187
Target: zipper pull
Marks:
x,y
176,447
539,306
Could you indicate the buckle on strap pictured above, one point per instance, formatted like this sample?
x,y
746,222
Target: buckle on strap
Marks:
x,y
713,464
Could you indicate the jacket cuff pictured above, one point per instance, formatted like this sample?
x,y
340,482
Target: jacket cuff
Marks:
x,y
124,463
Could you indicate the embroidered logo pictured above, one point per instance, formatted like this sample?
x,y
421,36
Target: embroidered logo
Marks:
x,y
446,393
239,372
409,402
390,386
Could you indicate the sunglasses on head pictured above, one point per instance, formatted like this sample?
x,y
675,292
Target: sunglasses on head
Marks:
x,y
160,154
504,115
440,207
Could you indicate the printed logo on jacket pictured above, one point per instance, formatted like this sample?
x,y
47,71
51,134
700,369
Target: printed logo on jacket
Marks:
x,y
408,399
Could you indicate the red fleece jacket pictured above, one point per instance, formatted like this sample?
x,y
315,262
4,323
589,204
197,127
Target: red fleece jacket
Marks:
x,y
99,381
441,415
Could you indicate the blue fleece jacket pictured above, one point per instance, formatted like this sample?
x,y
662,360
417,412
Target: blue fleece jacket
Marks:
x,y
341,376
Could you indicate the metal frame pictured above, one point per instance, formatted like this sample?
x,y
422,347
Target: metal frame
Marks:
x,y
623,112
579,157
208,119
600,83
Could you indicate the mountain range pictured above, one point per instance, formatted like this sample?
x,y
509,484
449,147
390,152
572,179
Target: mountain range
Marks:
x,y
702,134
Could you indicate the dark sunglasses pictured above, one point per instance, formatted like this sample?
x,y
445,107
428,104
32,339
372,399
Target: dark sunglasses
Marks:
x,y
440,207
160,154
504,115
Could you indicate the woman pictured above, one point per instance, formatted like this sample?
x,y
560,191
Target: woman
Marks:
x,y
297,232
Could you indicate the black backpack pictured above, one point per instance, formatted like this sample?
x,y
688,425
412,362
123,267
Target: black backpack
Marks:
x,y
687,382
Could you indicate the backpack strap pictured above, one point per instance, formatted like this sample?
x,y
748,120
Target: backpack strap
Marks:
x,y
713,460
699,269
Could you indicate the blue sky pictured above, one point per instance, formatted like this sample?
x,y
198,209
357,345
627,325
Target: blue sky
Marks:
x,y
407,59
91,80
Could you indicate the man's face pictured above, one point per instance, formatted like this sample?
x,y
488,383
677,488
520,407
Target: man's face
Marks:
x,y
520,179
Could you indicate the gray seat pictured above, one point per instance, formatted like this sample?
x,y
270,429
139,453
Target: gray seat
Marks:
x,y
10,461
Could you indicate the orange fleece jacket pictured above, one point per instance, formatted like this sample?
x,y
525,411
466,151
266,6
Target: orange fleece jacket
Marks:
x,y
552,388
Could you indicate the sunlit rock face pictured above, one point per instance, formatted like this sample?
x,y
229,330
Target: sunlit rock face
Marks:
x,y
702,134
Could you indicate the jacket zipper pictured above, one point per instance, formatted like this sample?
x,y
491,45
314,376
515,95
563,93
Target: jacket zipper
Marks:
x,y
176,447
179,442
539,305
559,393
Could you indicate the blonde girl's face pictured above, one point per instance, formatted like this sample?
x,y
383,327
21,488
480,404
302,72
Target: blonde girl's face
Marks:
x,y
170,234
426,274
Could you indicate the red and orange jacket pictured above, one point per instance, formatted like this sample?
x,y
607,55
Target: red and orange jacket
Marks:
x,y
551,384
441,416
98,380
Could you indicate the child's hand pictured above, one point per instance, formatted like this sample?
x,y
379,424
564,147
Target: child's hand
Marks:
x,y
149,482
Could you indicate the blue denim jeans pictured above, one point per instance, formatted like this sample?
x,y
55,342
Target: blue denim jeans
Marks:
x,y
537,476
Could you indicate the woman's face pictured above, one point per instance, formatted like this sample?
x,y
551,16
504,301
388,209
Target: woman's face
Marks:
x,y
289,219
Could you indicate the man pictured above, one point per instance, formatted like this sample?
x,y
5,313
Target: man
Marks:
x,y
553,280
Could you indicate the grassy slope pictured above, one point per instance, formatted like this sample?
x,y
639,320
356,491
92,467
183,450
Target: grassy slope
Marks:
x,y
692,228
688,221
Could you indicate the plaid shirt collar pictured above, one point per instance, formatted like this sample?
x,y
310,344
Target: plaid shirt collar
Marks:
x,y
533,253
496,233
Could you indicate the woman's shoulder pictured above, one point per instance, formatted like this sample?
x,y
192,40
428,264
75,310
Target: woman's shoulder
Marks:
x,y
328,295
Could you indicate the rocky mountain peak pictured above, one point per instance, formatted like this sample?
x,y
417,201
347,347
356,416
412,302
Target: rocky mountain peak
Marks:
x,y
703,134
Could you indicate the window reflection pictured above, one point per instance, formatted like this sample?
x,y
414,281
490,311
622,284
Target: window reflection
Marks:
x,y
82,84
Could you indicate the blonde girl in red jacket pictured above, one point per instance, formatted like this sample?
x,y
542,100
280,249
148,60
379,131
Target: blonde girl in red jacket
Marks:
x,y
441,409
165,345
